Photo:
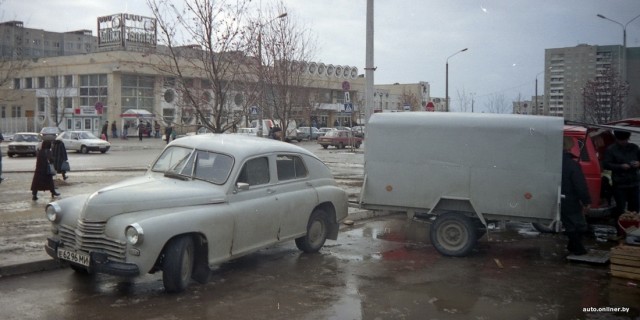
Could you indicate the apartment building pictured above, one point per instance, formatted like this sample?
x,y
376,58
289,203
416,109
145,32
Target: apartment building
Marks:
x,y
569,69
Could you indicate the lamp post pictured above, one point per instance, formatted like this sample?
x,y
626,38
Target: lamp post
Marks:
x,y
261,71
536,98
447,80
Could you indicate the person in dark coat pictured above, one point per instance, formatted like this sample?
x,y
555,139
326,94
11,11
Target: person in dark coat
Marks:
x,y
59,153
105,127
42,180
576,201
114,130
623,159
167,133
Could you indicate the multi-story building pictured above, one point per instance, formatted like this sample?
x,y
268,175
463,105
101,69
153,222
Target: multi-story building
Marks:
x,y
569,69
16,41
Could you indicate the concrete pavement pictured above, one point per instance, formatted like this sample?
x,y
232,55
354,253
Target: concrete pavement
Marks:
x,y
22,238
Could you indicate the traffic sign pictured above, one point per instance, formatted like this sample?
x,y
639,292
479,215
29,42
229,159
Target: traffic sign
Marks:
x,y
348,107
253,110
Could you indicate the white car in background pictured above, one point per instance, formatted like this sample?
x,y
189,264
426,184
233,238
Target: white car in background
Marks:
x,y
252,132
24,143
83,141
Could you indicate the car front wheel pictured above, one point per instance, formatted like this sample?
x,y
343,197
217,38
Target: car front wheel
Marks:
x,y
317,230
178,264
84,149
325,146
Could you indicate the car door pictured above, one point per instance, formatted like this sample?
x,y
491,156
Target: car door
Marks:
x,y
296,194
256,209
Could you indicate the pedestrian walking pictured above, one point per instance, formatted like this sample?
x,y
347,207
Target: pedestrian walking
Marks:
x,y
60,159
156,129
1,139
623,159
125,131
141,128
576,201
42,175
167,133
114,130
103,134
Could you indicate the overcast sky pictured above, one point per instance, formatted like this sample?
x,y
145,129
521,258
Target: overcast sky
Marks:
x,y
413,38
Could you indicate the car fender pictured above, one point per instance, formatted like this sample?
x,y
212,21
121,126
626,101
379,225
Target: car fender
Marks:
x,y
161,226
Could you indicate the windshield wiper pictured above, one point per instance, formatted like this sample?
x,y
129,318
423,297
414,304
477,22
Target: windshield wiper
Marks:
x,y
176,175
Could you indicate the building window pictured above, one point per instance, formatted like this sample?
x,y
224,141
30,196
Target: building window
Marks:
x,y
16,111
68,81
93,89
3,111
41,105
28,83
41,83
16,83
68,103
137,92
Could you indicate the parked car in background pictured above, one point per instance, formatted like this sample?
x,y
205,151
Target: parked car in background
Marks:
x,y
322,131
309,133
24,143
339,139
205,200
83,141
358,131
49,133
253,132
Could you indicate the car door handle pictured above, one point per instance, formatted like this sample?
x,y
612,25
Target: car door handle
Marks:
x,y
270,191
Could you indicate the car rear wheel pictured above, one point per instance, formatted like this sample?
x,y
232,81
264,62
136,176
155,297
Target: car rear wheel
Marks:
x,y
10,155
357,145
340,145
178,264
325,146
103,151
317,230
84,149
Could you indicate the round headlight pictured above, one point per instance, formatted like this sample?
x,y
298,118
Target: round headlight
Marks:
x,y
134,234
53,212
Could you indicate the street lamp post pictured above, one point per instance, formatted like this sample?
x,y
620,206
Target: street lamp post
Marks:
x,y
536,98
260,73
447,80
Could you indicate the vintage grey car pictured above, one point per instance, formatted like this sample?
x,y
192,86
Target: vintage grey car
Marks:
x,y
205,200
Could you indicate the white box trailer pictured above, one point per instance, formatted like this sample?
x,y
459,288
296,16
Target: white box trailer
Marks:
x,y
462,170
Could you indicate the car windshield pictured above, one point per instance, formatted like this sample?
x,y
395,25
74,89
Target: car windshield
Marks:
x,y
332,133
86,135
183,162
25,138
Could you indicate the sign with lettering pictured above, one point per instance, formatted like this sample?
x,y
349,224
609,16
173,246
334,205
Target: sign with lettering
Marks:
x,y
123,29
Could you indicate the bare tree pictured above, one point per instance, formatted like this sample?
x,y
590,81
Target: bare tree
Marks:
x,y
408,98
283,49
604,97
464,100
205,52
497,103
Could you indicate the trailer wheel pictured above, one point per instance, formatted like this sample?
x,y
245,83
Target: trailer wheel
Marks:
x,y
453,234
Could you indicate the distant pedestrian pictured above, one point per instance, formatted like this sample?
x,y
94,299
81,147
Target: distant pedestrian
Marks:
x,y
576,201
105,129
141,128
148,129
42,178
125,130
60,159
1,139
156,129
114,130
167,133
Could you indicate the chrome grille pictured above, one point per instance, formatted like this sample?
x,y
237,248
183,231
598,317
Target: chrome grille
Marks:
x,y
89,236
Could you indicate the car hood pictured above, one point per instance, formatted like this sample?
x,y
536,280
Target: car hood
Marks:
x,y
152,191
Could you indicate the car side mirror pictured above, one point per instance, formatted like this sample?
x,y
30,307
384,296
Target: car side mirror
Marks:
x,y
241,186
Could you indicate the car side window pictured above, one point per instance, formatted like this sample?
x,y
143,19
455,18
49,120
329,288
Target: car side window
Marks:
x,y
290,167
212,167
255,172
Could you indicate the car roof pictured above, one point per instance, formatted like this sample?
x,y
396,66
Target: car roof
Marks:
x,y
238,145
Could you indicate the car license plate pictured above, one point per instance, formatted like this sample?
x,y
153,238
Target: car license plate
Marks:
x,y
79,258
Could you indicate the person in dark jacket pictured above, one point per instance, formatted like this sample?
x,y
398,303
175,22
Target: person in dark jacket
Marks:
x,y
576,199
59,153
42,180
104,131
623,159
